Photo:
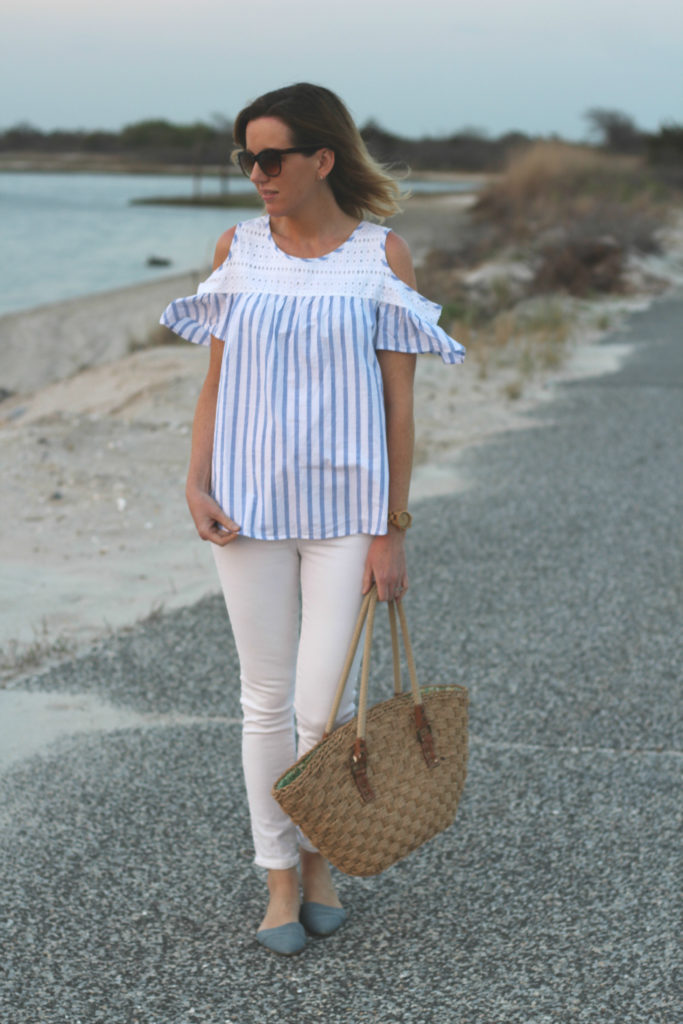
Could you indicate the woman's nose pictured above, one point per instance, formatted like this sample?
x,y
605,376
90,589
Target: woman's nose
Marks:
x,y
257,175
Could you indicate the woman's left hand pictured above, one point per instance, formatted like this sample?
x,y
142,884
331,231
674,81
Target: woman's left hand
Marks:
x,y
385,565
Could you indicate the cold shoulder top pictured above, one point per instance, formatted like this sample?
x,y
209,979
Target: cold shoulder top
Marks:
x,y
300,442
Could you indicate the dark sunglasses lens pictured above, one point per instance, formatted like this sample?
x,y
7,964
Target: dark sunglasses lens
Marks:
x,y
246,160
269,162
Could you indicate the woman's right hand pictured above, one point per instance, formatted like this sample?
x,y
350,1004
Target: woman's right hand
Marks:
x,y
210,519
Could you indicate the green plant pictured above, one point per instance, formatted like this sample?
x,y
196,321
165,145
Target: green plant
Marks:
x,y
452,311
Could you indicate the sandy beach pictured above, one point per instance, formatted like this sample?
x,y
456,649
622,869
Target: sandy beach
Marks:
x,y
95,437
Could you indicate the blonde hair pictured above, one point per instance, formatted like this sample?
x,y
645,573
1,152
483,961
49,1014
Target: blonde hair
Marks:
x,y
317,117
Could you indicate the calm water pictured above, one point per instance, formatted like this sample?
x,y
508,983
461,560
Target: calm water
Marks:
x,y
66,235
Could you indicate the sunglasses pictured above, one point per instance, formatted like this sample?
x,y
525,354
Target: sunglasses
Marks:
x,y
269,160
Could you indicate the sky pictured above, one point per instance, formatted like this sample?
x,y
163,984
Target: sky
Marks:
x,y
430,67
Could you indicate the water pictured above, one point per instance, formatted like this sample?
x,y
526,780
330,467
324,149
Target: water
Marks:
x,y
67,235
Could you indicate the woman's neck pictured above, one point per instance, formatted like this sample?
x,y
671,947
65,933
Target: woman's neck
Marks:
x,y
313,231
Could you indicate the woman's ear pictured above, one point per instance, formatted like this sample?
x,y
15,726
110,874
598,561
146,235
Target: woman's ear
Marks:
x,y
325,162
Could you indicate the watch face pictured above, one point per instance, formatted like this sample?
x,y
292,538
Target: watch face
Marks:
x,y
401,519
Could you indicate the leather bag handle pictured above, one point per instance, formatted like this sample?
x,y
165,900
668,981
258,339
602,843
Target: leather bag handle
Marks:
x,y
367,612
366,617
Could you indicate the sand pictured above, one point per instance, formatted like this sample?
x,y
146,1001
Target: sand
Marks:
x,y
95,441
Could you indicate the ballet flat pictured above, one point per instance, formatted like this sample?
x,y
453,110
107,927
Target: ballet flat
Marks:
x,y
321,920
287,939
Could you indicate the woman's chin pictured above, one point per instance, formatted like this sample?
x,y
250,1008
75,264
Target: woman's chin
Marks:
x,y
270,200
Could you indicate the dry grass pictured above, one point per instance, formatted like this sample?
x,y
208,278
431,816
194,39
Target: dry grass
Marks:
x,y
18,658
571,213
569,216
523,343
577,212
552,184
21,657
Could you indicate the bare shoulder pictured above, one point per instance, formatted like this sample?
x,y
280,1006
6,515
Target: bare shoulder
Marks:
x,y
223,247
399,258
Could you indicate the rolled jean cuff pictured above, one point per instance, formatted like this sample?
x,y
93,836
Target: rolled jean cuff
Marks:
x,y
277,864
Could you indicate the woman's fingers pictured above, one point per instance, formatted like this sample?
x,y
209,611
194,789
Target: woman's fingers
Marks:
x,y
390,589
217,533
386,566
210,520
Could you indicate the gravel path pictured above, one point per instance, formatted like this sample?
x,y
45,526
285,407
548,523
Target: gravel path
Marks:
x,y
552,588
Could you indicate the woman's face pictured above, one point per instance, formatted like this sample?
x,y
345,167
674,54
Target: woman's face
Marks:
x,y
298,181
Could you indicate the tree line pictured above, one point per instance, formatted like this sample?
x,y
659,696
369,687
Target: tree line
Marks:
x,y
203,144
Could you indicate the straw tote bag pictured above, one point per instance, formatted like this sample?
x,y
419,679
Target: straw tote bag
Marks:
x,y
383,784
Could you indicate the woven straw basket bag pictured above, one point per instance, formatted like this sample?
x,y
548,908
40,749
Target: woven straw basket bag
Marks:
x,y
378,787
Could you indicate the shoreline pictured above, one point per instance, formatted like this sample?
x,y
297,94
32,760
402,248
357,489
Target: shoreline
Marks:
x,y
23,300
76,163
96,443
91,330
117,320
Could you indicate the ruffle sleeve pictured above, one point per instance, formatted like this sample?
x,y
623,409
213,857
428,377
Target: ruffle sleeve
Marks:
x,y
196,317
408,322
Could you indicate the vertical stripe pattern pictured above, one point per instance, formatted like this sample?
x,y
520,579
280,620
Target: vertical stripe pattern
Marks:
x,y
300,437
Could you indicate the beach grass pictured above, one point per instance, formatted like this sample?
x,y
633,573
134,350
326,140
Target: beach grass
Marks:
x,y
17,657
577,213
528,340
560,224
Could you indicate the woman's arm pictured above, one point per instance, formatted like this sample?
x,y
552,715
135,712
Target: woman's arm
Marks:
x,y
386,561
209,518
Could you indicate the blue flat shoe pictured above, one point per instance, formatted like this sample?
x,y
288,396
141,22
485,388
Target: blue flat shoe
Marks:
x,y
287,940
321,920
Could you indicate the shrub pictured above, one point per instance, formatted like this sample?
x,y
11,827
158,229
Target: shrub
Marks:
x,y
581,267
576,210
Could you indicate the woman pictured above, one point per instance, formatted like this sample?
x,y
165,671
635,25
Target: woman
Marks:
x,y
302,446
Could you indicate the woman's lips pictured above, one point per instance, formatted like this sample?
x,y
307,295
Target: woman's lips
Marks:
x,y
265,195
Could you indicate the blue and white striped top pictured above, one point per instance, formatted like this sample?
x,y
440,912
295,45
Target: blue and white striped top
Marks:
x,y
300,441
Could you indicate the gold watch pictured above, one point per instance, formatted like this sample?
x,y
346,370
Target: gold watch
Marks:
x,y
401,520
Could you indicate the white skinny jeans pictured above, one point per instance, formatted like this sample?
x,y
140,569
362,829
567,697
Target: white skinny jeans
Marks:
x,y
287,672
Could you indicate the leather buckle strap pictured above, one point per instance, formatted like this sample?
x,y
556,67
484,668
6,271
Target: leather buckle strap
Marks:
x,y
359,770
358,761
425,736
